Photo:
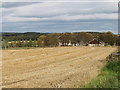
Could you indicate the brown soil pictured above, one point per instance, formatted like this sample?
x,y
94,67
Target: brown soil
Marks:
x,y
58,67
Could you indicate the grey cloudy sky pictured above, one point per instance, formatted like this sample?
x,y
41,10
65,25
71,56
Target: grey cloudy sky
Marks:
x,y
60,16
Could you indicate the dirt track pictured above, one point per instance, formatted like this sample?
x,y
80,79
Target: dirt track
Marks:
x,y
52,67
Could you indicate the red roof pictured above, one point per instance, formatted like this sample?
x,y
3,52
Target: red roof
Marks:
x,y
94,42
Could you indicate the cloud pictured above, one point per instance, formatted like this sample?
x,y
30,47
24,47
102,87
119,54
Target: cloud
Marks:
x,y
16,4
61,26
60,16
60,11
63,18
60,0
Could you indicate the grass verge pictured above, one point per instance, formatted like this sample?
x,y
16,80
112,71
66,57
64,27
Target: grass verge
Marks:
x,y
110,74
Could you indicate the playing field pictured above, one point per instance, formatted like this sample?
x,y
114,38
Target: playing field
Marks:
x,y
60,67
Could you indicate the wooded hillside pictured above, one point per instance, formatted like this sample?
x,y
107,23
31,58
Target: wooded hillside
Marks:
x,y
32,39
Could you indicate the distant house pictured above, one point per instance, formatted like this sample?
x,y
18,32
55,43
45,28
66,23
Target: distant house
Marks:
x,y
96,42
68,44
65,44
93,42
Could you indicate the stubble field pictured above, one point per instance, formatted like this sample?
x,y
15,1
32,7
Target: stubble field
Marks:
x,y
58,67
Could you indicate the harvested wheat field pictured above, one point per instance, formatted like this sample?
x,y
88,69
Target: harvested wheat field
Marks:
x,y
58,67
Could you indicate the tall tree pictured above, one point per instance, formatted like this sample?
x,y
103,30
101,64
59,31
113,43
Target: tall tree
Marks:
x,y
65,38
43,41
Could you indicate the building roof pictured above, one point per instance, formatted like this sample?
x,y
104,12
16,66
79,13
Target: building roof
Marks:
x,y
94,41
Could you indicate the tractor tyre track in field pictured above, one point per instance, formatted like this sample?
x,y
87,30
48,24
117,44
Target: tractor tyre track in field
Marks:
x,y
57,67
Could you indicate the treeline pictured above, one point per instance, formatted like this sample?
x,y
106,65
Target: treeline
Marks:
x,y
21,36
80,38
23,43
56,39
